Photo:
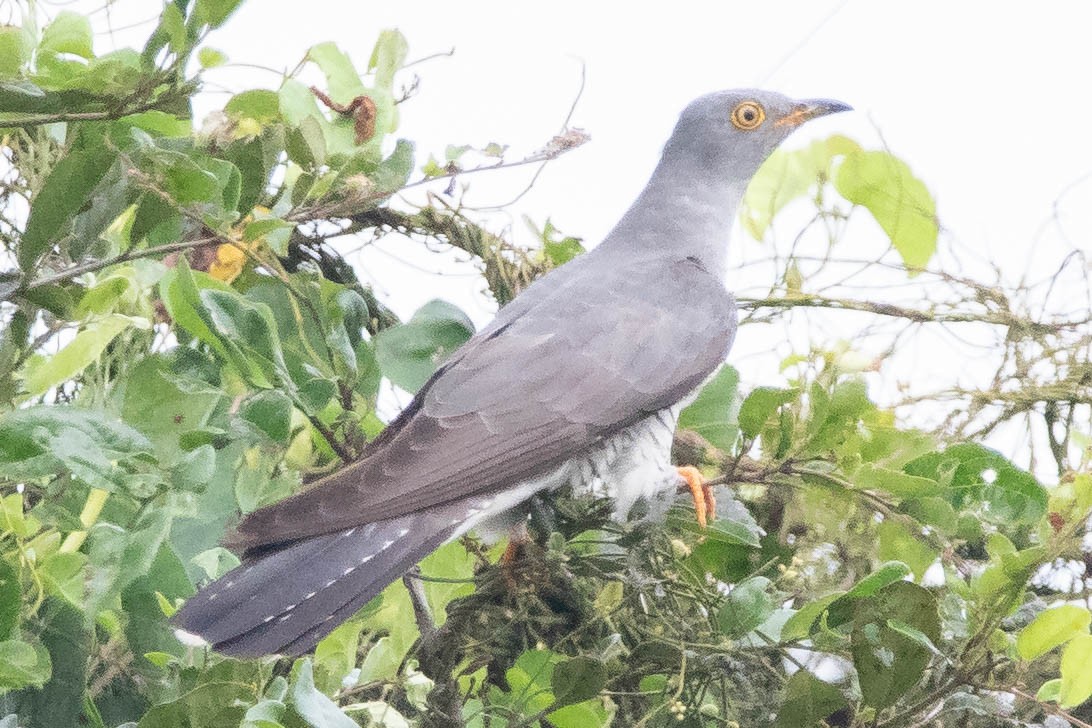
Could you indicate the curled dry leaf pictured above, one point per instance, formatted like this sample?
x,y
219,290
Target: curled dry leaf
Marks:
x,y
361,109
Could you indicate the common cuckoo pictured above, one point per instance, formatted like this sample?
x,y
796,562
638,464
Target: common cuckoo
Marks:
x,y
578,381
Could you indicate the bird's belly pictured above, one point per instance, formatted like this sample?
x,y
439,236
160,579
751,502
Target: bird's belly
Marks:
x,y
633,465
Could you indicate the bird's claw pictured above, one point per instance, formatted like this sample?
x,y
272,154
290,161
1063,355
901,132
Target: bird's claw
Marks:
x,y
705,504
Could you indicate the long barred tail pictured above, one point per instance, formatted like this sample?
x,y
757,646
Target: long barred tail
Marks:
x,y
285,601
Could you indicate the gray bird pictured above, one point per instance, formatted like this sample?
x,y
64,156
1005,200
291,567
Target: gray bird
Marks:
x,y
579,381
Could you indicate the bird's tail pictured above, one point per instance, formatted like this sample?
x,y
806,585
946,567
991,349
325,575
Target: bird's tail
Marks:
x,y
284,601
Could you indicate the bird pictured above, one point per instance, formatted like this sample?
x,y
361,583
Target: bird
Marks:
x,y
578,381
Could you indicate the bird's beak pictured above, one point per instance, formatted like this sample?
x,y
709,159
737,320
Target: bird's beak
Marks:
x,y
809,109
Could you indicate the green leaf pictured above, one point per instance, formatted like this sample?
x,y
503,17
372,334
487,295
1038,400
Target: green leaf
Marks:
x,y
211,57
888,662
529,679
45,440
313,707
839,606
23,664
172,24
409,353
149,599
10,592
836,414
394,171
68,33
178,289
786,176
65,191
1051,628
1049,691
261,105
240,330
306,143
64,575
185,180
896,541
588,714
900,202
974,473
159,123
382,715
341,77
874,477
609,598
714,412
1076,675
576,680
266,714
256,486
807,700
760,405
748,605
194,468
935,512
888,573
387,57
800,624
916,635
119,557
215,12
271,412
13,51
13,517
217,703
164,398
336,655
560,252
246,329
88,345
65,635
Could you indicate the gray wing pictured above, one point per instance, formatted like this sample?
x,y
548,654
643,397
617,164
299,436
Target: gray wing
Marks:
x,y
596,352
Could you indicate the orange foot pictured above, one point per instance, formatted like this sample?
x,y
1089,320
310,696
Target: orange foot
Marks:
x,y
705,505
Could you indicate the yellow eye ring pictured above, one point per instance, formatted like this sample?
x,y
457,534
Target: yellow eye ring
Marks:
x,y
748,115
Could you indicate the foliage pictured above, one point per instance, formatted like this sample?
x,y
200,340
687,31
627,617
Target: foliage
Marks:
x,y
182,342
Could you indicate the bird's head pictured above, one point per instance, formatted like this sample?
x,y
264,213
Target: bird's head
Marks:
x,y
738,129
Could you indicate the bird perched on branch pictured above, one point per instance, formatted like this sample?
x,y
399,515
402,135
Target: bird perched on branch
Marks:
x,y
578,381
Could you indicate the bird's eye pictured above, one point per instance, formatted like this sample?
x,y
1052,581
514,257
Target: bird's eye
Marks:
x,y
748,115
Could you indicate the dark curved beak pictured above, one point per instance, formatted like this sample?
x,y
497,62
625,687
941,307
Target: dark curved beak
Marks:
x,y
809,109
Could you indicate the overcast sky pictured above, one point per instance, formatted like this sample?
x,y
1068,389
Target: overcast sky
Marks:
x,y
988,102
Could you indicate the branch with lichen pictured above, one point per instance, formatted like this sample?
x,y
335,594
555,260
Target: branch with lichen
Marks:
x,y
508,269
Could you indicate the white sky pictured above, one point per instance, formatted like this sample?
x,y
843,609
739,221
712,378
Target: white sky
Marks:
x,y
987,101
